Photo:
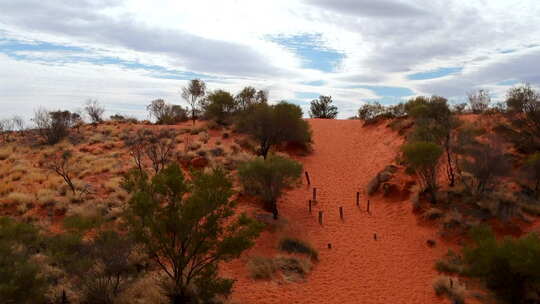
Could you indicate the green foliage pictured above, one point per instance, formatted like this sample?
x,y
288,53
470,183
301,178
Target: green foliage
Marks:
x,y
294,245
323,108
423,157
186,227
520,97
272,125
77,223
510,268
20,281
219,106
268,178
249,96
433,118
532,169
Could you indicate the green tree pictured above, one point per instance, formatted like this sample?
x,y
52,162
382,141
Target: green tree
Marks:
x,y
20,280
268,178
435,122
220,105
186,227
194,93
323,108
271,125
510,268
423,157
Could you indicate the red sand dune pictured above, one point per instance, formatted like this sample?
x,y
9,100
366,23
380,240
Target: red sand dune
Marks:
x,y
396,268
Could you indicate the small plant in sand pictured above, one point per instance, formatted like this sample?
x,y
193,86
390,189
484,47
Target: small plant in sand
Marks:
x,y
268,178
294,245
451,288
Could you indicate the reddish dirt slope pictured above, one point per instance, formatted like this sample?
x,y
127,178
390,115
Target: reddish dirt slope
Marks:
x,y
396,268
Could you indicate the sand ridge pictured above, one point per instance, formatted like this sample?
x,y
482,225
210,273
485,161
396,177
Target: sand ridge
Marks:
x,y
395,268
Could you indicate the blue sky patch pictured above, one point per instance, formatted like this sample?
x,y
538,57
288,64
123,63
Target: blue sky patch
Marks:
x,y
307,95
438,73
22,50
509,82
385,91
316,83
310,48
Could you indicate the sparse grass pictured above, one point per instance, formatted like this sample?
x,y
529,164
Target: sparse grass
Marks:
x,y
433,214
294,245
261,268
5,152
20,198
451,288
294,269
46,196
81,223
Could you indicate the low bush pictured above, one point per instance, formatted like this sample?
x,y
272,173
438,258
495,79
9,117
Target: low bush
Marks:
x,y
294,245
450,287
261,268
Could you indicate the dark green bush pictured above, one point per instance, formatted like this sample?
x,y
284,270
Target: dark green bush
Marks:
x,y
268,178
294,245
323,108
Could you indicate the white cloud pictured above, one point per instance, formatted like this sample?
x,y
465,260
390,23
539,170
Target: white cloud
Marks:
x,y
383,41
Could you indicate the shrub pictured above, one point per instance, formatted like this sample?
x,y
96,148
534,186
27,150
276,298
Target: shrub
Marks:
x,y
323,108
20,279
273,125
261,268
451,287
508,268
20,198
423,157
450,263
532,169
293,268
268,178
293,245
249,96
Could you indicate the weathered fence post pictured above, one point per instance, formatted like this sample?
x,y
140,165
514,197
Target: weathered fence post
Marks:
x,y
307,178
357,199
329,246
375,236
341,212
309,204
320,217
367,209
314,194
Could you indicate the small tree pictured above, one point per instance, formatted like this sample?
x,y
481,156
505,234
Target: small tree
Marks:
x,y
193,94
479,101
54,126
276,124
521,97
423,157
166,114
187,229
267,179
323,108
484,164
94,110
246,98
158,146
220,105
61,164
369,112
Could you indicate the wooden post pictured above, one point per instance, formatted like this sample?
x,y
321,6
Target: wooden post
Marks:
x,y
307,178
329,246
341,212
357,199
368,206
309,203
375,236
314,194
320,217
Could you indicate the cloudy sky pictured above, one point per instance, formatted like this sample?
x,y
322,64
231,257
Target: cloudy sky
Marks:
x,y
125,53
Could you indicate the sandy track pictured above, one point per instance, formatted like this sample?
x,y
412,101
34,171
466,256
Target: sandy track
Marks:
x,y
396,268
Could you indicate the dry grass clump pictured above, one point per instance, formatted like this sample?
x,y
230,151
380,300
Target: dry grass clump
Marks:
x,y
6,152
35,177
433,214
142,291
20,198
450,263
294,269
46,196
261,268
451,288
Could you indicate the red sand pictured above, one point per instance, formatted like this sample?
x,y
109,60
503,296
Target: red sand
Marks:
x,y
397,268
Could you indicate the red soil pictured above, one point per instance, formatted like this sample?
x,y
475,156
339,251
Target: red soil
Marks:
x,y
395,268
